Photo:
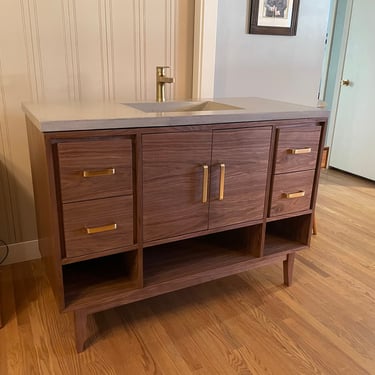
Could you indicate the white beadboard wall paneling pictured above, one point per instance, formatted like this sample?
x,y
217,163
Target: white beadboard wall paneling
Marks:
x,y
91,69
52,51
18,69
106,45
125,51
6,218
156,43
69,22
31,41
139,56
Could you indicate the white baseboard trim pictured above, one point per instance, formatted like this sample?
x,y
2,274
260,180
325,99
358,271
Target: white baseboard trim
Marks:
x,y
21,252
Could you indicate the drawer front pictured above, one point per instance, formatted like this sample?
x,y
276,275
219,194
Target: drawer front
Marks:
x,y
291,192
98,225
91,169
297,148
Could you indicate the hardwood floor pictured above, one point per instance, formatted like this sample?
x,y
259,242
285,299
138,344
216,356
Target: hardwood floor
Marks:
x,y
245,324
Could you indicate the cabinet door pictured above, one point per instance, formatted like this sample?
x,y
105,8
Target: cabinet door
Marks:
x,y
239,164
173,183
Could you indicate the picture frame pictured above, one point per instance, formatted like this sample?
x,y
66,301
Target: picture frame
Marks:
x,y
274,17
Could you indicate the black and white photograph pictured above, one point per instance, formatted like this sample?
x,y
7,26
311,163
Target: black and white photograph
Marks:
x,y
277,17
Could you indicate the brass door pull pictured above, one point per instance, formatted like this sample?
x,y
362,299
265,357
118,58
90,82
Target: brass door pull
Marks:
x,y
101,172
298,151
297,194
222,180
104,228
205,184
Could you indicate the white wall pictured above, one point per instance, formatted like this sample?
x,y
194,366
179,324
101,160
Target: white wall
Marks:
x,y
278,67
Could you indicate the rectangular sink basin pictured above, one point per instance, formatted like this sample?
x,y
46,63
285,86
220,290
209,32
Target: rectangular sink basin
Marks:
x,y
185,106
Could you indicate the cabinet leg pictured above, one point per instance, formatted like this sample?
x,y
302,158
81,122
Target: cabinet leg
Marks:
x,y
80,321
288,265
314,227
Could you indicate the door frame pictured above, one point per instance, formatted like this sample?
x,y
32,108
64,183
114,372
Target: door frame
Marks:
x,y
340,70
328,49
205,24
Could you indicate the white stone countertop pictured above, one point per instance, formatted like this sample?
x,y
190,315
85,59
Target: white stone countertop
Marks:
x,y
90,116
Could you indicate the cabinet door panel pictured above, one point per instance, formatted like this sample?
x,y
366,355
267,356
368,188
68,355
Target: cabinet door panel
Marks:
x,y
245,154
173,183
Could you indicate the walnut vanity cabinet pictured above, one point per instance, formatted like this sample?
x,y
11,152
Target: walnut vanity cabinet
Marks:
x,y
127,214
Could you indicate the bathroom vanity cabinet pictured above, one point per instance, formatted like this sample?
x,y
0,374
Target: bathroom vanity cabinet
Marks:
x,y
132,207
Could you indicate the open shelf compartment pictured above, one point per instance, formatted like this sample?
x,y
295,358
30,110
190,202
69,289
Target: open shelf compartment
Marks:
x,y
207,257
287,235
93,279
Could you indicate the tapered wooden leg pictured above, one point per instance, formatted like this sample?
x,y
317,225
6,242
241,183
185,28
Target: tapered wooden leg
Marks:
x,y
80,320
314,228
288,265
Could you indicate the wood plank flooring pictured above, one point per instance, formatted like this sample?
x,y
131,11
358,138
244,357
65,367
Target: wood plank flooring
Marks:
x,y
245,324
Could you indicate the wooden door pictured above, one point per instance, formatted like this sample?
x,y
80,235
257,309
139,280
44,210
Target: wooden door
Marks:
x,y
173,183
354,132
244,156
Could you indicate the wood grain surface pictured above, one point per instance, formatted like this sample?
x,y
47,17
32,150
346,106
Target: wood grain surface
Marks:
x,y
296,138
244,324
291,183
245,154
173,183
96,213
93,155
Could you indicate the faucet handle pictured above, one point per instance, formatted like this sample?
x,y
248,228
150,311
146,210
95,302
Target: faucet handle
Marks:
x,y
160,70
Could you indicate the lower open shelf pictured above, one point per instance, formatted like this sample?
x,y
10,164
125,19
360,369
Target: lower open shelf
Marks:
x,y
95,279
188,259
287,235
166,267
276,245
135,275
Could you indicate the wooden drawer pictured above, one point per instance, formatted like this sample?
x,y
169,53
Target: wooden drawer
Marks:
x,y
91,169
299,187
93,215
297,148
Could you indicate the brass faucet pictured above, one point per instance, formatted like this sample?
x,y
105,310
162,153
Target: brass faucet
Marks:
x,y
161,80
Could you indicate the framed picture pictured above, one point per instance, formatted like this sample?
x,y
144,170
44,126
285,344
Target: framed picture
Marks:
x,y
274,17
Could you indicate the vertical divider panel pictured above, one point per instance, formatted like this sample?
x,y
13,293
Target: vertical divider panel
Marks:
x,y
138,204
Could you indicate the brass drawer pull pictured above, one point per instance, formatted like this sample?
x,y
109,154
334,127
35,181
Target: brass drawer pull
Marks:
x,y
298,151
297,194
101,172
222,180
205,184
104,228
